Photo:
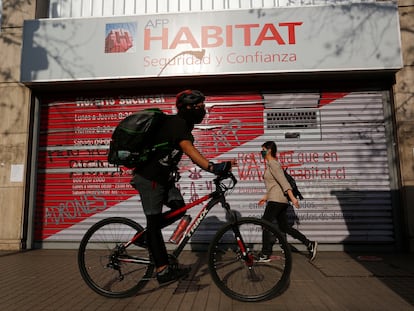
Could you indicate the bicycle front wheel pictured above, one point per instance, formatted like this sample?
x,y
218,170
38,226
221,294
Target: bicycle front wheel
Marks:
x,y
107,266
235,265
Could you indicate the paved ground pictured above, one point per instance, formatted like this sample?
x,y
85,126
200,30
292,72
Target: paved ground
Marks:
x,y
49,280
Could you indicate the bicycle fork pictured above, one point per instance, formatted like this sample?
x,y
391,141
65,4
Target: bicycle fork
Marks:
x,y
246,256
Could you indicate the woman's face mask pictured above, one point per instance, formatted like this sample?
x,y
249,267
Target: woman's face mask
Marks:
x,y
263,153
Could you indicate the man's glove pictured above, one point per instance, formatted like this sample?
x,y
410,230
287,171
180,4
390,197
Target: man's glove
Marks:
x,y
220,169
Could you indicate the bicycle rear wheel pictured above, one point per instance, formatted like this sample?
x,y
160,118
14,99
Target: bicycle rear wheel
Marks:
x,y
239,273
107,266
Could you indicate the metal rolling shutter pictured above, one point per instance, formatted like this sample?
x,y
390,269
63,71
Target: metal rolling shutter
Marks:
x,y
334,144
337,150
77,187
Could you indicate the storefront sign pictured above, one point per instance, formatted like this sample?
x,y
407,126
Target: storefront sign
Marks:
x,y
362,36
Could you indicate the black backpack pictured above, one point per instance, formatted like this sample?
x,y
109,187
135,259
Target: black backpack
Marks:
x,y
294,186
131,140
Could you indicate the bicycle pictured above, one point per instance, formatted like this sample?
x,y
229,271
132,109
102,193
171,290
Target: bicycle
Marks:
x,y
114,264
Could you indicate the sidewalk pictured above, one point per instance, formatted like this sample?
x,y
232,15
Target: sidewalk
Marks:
x,y
49,280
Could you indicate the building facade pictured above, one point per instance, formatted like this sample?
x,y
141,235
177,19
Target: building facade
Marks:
x,y
331,83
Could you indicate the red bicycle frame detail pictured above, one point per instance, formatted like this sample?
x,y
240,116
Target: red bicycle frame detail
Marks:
x,y
174,213
187,207
217,196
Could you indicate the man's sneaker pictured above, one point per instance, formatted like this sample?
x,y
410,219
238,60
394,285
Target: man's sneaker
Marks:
x,y
312,248
171,274
263,258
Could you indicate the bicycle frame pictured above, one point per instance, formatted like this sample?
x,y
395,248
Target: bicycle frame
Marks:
x,y
215,197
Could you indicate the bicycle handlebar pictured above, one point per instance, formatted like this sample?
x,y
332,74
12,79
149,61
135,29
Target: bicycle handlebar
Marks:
x,y
218,181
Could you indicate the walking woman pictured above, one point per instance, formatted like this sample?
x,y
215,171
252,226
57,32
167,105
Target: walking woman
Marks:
x,y
278,191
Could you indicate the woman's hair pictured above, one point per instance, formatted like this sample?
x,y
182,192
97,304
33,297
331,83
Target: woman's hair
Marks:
x,y
272,146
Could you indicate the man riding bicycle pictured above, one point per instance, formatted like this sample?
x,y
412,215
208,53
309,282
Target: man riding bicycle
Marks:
x,y
155,180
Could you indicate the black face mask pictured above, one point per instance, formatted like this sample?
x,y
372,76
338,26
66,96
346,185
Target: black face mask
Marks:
x,y
193,116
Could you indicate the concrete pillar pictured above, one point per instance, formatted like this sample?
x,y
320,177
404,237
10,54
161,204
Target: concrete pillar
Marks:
x,y
404,114
14,119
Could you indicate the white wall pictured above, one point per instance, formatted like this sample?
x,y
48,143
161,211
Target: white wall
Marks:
x,y
96,8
